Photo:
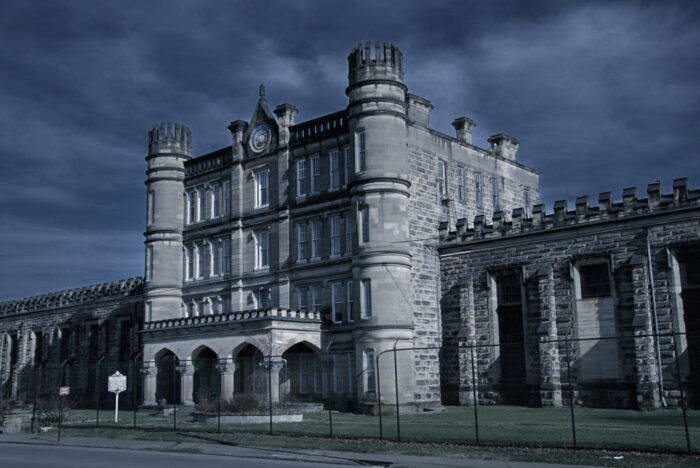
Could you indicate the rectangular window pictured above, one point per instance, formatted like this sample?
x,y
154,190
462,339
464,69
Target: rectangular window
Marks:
x,y
189,274
201,261
595,280
364,221
350,301
478,190
442,180
303,298
149,263
336,236
334,158
301,242
370,388
360,150
460,184
262,250
227,256
261,188
262,297
316,228
215,200
227,198
526,202
494,193
151,207
227,305
348,165
338,302
215,268
301,177
191,207
316,298
200,197
366,298
315,174
200,308
348,233
149,312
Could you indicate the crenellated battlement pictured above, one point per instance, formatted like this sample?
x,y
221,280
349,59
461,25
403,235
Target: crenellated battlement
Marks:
x,y
582,214
170,138
383,61
69,297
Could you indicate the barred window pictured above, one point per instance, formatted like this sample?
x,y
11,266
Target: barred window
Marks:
x,y
334,158
595,280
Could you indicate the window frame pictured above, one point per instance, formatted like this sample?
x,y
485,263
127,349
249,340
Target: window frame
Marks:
x,y
316,239
262,188
262,249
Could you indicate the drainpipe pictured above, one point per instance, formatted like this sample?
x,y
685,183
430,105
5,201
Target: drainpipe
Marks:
x,y
656,320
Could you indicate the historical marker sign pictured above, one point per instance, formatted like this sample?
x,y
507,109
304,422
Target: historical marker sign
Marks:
x,y
63,391
116,383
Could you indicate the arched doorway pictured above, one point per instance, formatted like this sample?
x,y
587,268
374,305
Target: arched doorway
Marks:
x,y
250,377
167,377
303,376
206,379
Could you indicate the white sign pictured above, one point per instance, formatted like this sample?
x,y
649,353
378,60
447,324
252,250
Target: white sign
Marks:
x,y
63,391
116,383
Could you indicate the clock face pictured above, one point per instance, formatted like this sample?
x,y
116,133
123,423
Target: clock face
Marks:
x,y
260,137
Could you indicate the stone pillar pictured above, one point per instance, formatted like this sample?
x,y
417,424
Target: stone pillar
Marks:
x,y
466,336
550,371
149,372
646,369
186,383
275,366
226,371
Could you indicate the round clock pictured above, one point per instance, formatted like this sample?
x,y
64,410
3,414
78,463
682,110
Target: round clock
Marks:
x,y
260,137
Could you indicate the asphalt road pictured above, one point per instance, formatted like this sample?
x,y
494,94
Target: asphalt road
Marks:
x,y
51,456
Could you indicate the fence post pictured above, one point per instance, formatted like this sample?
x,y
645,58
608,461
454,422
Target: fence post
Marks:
x,y
476,401
218,413
379,395
328,384
269,387
98,366
396,388
682,393
571,393
34,404
174,394
133,386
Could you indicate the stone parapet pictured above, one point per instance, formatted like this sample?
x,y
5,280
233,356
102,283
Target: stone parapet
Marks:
x,y
276,314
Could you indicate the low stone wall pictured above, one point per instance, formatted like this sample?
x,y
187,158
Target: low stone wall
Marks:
x,y
210,418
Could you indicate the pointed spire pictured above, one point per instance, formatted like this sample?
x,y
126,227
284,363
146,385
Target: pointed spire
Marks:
x,y
262,91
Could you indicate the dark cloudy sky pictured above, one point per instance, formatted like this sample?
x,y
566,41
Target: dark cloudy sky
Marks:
x,y
601,95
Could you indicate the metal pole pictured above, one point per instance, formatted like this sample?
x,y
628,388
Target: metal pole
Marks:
x,y
60,418
116,407
34,404
269,387
476,401
174,394
97,389
571,393
133,386
396,389
218,413
328,382
379,396
680,387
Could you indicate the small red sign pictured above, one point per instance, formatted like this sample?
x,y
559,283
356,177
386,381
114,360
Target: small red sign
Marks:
x,y
63,391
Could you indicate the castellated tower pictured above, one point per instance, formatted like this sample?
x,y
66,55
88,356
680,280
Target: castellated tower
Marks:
x,y
169,146
380,193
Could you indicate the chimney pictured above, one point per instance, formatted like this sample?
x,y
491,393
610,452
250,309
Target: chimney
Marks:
x,y
504,145
464,127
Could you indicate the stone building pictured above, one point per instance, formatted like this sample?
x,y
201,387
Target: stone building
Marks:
x,y
313,246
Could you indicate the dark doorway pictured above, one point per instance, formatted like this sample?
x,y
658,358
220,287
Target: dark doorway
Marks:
x,y
167,378
250,377
302,380
206,379
690,276
511,337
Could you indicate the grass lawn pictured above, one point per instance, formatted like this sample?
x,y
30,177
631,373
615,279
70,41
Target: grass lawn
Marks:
x,y
440,432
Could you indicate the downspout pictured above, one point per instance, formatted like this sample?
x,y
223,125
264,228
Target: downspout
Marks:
x,y
656,321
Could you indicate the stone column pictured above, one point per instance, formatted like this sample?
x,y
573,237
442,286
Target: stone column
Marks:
x,y
275,366
186,383
149,372
226,371
466,336
646,369
550,371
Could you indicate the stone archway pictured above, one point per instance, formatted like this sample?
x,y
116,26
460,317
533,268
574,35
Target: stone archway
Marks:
x,y
206,378
250,377
167,377
302,381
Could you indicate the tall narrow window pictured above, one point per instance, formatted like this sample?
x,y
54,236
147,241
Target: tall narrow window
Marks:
x,y
301,177
262,188
39,348
350,301
348,233
442,180
201,261
316,228
360,150
364,221
200,308
227,198
336,236
215,268
334,158
301,242
149,263
366,298
190,262
227,256
338,302
151,207
262,297
315,174
303,298
215,200
478,190
526,202
460,184
348,165
316,298
495,194
191,207
262,241
595,280
227,305
371,387
201,199
149,312
191,309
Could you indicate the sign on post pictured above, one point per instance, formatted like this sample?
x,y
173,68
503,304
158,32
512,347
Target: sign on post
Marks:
x,y
63,391
116,383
